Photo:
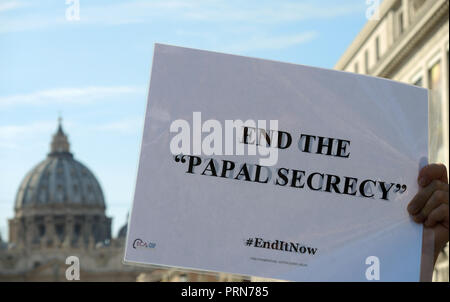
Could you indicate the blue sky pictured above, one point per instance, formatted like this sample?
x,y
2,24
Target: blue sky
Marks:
x,y
96,71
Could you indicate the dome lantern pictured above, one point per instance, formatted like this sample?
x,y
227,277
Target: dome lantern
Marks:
x,y
60,142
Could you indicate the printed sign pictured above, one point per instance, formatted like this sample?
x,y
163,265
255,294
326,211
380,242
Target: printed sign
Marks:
x,y
277,170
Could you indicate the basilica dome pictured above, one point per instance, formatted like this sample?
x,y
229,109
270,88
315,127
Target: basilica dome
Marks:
x,y
59,180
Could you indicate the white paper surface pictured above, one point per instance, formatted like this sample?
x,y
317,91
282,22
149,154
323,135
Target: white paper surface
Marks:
x,y
203,222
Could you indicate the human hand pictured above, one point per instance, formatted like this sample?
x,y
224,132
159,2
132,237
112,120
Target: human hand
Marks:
x,y
430,205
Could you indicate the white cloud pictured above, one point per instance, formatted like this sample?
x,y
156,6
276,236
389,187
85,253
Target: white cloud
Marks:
x,y
211,11
253,11
273,42
12,136
270,12
128,125
10,5
12,131
68,95
29,22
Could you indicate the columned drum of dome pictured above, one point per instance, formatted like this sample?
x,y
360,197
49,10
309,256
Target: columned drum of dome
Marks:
x,y
60,202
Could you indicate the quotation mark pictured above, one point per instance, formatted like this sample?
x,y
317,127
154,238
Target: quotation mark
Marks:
x,y
400,188
180,157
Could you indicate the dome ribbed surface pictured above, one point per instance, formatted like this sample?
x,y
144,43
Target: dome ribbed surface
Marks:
x,y
59,179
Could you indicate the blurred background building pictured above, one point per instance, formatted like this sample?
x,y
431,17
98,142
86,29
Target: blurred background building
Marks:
x,y
408,41
60,212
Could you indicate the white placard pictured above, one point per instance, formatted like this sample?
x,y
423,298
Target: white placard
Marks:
x,y
324,214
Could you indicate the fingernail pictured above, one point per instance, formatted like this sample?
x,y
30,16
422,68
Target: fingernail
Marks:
x,y
422,181
411,208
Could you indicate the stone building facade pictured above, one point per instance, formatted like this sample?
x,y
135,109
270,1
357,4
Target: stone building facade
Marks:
x,y
59,212
408,41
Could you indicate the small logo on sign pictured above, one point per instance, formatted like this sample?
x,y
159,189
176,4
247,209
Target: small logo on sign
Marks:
x,y
139,243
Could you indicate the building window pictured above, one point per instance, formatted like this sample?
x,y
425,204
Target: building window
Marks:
x,y
400,23
77,230
59,229
398,20
377,47
356,68
41,230
366,62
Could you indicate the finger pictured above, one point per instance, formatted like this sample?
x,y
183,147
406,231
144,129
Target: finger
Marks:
x,y
420,199
431,172
439,197
438,215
